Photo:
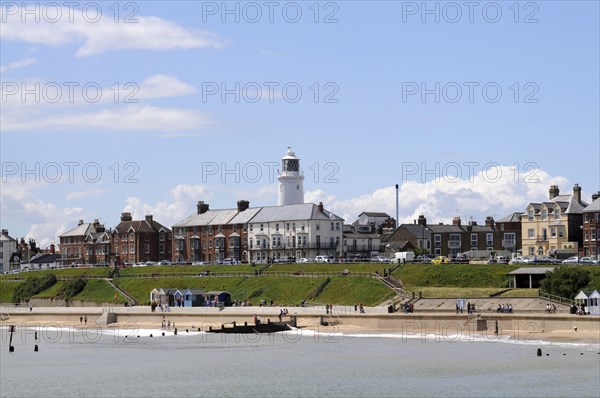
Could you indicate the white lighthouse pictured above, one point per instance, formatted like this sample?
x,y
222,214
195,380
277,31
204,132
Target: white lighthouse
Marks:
x,y
291,180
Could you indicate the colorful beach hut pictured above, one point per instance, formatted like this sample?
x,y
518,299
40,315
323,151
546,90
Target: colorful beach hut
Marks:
x,y
193,297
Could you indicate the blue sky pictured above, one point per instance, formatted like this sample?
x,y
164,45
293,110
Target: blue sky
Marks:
x,y
369,129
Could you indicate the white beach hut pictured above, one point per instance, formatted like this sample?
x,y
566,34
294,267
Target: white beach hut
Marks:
x,y
594,303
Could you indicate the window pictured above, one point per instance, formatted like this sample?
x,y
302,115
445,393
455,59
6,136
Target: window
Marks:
x,y
593,234
474,240
544,234
437,251
276,227
332,226
561,232
146,248
531,233
261,228
251,229
557,214
131,249
489,239
509,237
318,227
530,215
287,226
532,251
553,232
337,226
437,240
544,214
251,243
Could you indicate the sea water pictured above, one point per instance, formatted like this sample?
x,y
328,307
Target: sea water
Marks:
x,y
117,363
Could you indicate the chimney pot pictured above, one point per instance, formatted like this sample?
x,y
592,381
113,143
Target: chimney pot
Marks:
x,y
577,193
553,192
242,205
80,222
202,207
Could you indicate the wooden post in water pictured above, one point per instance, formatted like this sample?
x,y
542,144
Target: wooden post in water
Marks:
x,y
11,329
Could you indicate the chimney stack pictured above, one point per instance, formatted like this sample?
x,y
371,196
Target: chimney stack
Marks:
x,y
149,219
5,232
80,223
456,221
242,205
202,207
52,248
554,192
321,207
489,221
577,193
125,217
422,220
596,196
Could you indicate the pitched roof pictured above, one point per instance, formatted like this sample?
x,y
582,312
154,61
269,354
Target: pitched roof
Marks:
x,y
303,211
513,217
80,230
374,214
531,271
593,207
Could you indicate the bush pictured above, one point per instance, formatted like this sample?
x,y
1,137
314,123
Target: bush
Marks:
x,y
565,281
71,288
33,286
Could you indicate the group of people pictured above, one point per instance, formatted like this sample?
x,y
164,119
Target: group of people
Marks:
x,y
506,309
83,320
359,307
550,308
409,308
329,308
166,324
156,304
282,312
578,309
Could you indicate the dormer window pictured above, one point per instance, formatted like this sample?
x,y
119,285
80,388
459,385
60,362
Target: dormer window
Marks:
x,y
557,214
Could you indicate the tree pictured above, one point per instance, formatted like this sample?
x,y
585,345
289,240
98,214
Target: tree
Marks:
x,y
565,281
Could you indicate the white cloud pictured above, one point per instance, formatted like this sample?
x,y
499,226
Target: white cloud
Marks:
x,y
75,195
97,35
447,197
132,117
183,200
17,64
161,86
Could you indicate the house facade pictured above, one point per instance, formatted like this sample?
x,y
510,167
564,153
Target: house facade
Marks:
x,y
303,230
73,243
8,246
553,227
591,227
144,240
257,234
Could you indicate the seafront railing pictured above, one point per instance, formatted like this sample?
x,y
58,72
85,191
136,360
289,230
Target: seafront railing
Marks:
x,y
553,297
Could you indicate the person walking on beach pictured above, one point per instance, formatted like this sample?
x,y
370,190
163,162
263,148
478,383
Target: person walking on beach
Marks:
x,y
80,320
85,320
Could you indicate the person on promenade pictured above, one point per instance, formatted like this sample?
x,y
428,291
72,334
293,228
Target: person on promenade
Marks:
x,y
80,320
85,320
30,307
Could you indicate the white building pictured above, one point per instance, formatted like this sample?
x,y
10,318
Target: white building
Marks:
x,y
300,230
8,246
291,180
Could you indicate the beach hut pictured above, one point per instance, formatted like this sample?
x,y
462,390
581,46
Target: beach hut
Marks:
x,y
216,298
156,295
193,297
172,294
595,303
583,297
592,301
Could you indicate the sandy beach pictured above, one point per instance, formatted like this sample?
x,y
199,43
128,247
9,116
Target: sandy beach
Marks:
x,y
522,327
